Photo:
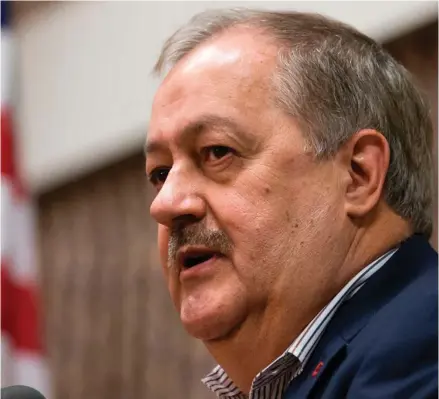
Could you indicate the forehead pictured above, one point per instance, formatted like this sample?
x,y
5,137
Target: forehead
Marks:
x,y
229,74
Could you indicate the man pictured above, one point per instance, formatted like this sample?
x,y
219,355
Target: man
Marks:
x,y
291,158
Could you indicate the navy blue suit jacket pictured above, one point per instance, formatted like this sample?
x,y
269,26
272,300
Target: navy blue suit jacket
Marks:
x,y
382,343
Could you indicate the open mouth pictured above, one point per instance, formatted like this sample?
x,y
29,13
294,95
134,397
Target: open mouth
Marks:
x,y
192,258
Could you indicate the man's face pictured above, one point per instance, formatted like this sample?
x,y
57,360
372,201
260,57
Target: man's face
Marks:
x,y
246,216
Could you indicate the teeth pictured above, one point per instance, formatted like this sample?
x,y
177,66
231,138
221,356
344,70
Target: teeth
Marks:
x,y
195,260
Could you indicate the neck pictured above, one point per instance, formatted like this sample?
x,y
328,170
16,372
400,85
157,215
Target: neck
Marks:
x,y
373,239
266,334
255,344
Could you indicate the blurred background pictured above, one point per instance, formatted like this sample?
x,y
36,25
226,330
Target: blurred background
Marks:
x,y
85,311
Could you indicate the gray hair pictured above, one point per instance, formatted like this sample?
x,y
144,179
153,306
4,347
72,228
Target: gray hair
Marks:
x,y
337,81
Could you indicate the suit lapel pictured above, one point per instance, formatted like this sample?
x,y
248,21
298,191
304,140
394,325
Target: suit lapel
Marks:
x,y
324,359
353,315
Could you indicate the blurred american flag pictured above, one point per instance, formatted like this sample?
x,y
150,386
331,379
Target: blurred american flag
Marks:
x,y
23,361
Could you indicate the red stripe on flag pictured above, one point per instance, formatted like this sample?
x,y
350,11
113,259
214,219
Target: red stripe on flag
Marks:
x,y
19,317
7,315
7,143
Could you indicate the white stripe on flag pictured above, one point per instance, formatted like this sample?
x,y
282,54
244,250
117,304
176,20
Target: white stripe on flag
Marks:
x,y
31,370
18,224
23,368
7,65
24,267
7,355
6,219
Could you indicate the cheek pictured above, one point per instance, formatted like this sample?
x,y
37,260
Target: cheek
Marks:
x,y
254,225
252,221
163,239
240,215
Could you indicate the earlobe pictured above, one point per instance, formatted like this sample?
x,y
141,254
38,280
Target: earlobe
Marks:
x,y
368,154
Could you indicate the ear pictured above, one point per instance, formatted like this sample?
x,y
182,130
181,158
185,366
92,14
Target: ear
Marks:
x,y
365,158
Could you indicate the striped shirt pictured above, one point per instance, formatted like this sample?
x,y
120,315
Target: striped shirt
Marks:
x,y
271,382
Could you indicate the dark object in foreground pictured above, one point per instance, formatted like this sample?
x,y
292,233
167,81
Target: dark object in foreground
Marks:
x,y
20,392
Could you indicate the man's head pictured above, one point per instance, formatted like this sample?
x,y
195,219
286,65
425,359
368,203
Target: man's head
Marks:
x,y
277,141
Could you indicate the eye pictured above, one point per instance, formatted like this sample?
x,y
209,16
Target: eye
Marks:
x,y
216,152
158,175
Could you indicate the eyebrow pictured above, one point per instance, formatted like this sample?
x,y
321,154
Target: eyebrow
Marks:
x,y
196,128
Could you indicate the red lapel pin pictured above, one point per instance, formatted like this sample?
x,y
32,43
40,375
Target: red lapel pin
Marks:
x,y
317,369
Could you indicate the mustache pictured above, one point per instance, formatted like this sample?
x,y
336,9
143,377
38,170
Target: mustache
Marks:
x,y
197,235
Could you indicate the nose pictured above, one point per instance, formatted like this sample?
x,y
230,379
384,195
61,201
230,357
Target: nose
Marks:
x,y
178,201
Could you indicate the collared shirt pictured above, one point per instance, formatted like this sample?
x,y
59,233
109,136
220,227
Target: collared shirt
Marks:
x,y
271,382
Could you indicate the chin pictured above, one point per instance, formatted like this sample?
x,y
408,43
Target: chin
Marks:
x,y
209,321
207,330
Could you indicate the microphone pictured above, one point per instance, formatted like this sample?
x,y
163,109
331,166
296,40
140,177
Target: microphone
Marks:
x,y
20,392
